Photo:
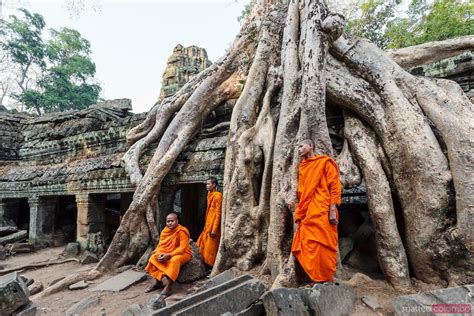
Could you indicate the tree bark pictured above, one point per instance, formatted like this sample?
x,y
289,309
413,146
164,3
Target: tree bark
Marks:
x,y
393,138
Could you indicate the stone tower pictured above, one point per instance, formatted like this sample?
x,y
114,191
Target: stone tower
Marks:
x,y
182,65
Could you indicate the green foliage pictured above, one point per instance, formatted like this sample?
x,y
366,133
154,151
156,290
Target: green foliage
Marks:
x,y
21,39
384,23
370,20
66,82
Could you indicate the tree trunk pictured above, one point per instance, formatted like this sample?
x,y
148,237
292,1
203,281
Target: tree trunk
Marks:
x,y
292,59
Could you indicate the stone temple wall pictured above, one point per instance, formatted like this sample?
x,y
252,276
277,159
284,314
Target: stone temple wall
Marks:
x,y
74,157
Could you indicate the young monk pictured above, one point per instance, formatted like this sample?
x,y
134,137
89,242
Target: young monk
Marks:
x,y
208,241
172,252
319,191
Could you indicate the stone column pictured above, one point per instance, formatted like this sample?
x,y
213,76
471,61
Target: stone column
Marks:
x,y
90,216
42,214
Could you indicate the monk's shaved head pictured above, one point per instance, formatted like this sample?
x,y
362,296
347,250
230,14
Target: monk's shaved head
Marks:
x,y
307,142
172,215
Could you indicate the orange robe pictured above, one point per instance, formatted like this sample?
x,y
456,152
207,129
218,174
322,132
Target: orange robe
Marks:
x,y
176,243
208,246
315,241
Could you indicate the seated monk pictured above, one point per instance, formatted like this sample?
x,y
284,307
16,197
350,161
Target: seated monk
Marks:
x,y
172,252
208,241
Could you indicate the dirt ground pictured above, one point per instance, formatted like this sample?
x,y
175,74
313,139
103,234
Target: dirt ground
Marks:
x,y
114,303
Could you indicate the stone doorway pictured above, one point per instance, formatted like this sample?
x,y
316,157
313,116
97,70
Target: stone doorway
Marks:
x,y
190,202
65,220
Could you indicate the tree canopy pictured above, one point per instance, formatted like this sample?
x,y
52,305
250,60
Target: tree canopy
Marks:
x,y
388,25
65,71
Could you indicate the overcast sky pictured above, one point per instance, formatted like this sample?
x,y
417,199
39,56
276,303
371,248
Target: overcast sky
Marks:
x,y
131,40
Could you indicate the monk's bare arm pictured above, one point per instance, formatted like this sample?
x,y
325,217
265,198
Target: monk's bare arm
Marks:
x,y
334,185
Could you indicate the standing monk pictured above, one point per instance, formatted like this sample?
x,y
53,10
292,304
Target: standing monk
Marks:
x,y
172,252
319,191
208,241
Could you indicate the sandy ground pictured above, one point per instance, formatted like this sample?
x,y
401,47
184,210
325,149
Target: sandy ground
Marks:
x,y
111,303
114,303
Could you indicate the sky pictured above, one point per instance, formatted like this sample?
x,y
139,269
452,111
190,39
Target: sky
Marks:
x,y
132,40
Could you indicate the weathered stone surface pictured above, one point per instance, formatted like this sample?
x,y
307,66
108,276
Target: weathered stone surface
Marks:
x,y
284,301
232,296
421,304
3,253
156,302
72,250
28,310
182,65
133,310
319,300
345,247
121,281
371,302
88,257
27,281
256,309
18,236
78,285
35,288
219,279
23,247
330,299
13,293
87,302
194,269
7,230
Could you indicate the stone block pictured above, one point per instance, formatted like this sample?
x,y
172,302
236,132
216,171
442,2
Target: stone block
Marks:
x,y
133,310
256,309
28,310
82,230
18,236
284,301
88,257
219,279
35,288
78,285
194,269
23,247
72,250
232,296
329,299
461,299
13,293
83,304
3,253
121,281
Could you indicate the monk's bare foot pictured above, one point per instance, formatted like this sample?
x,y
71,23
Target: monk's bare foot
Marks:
x,y
155,286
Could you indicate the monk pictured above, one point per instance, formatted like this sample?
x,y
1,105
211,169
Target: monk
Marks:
x,y
208,241
172,252
316,216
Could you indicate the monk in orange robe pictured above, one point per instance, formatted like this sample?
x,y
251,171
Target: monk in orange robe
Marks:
x,y
319,191
208,241
172,252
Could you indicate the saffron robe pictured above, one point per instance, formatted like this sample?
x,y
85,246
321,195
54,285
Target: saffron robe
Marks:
x,y
208,245
176,243
315,241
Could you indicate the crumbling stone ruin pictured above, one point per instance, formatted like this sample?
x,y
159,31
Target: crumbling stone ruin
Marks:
x,y
182,65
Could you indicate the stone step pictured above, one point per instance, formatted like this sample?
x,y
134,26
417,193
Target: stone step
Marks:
x,y
121,281
232,296
455,300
